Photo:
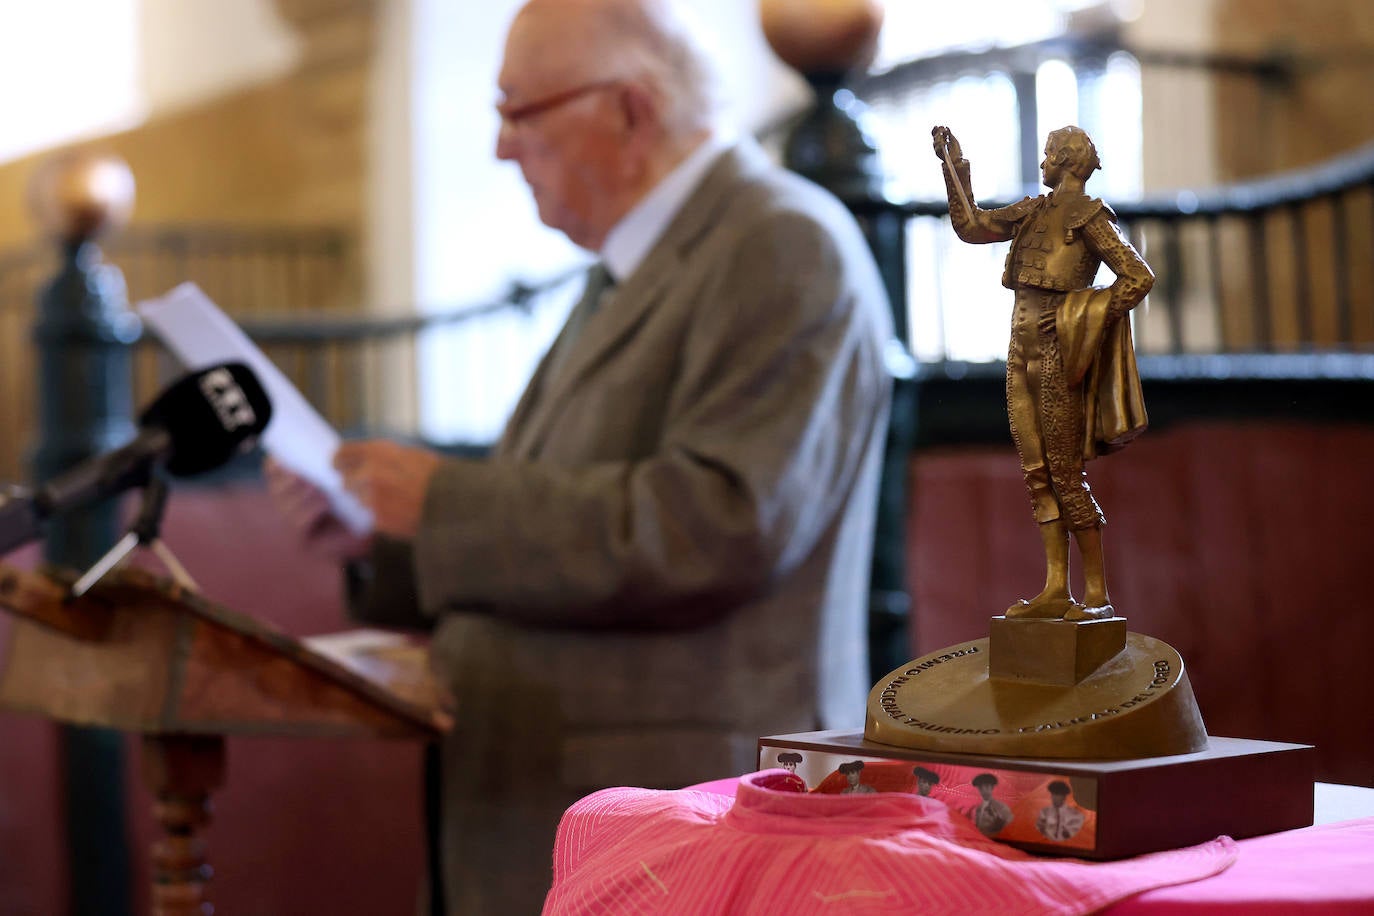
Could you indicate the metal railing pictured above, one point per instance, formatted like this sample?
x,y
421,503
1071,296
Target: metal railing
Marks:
x,y
353,367
295,291
252,269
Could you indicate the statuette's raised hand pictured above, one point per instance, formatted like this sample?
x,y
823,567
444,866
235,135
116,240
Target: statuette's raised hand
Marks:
x,y
946,145
947,151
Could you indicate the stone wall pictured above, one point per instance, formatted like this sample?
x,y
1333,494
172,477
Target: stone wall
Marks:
x,y
1326,110
290,151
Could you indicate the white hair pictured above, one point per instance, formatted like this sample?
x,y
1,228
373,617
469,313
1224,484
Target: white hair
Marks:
x,y
656,43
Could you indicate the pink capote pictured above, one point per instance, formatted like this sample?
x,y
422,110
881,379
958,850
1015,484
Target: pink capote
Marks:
x,y
774,849
1317,871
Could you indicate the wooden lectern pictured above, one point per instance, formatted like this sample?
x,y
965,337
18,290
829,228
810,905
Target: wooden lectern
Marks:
x,y
141,654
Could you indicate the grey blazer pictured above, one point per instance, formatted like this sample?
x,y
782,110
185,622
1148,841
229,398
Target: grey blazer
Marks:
x,y
667,555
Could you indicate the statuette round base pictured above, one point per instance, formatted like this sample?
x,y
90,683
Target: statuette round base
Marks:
x,y
1138,704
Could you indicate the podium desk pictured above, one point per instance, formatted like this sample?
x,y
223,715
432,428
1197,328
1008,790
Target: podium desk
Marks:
x,y
142,655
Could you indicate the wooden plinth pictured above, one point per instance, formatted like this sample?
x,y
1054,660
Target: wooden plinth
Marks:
x,y
1235,787
1057,652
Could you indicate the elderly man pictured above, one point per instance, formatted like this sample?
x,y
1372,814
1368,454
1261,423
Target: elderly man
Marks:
x,y
667,553
1072,389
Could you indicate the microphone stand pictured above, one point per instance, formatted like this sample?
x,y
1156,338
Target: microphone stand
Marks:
x,y
144,532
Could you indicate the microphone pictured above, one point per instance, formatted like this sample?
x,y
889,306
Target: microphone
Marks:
x,y
197,424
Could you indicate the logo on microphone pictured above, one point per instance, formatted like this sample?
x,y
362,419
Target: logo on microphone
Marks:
x,y
228,399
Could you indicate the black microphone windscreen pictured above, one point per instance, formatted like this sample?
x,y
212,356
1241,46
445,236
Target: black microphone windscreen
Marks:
x,y
210,415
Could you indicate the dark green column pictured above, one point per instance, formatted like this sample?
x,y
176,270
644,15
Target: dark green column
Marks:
x,y
830,147
83,336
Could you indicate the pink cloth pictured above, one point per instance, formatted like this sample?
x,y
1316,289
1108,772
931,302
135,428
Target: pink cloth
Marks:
x,y
776,849
1316,871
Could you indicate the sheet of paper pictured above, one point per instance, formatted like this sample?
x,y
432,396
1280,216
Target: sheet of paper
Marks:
x,y
199,334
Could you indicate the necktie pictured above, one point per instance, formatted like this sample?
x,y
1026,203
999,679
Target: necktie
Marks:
x,y
600,284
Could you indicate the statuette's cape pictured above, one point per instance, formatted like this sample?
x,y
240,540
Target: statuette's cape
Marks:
x,y
1104,356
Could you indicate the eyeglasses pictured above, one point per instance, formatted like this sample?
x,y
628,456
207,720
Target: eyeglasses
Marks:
x,y
512,115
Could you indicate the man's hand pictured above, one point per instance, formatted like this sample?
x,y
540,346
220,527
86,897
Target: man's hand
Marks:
x,y
306,509
945,144
389,479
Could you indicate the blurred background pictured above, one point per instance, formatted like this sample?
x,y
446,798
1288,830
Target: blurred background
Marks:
x,y
337,156
324,170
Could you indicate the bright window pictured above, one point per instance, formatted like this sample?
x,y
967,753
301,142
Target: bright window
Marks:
x,y
70,71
